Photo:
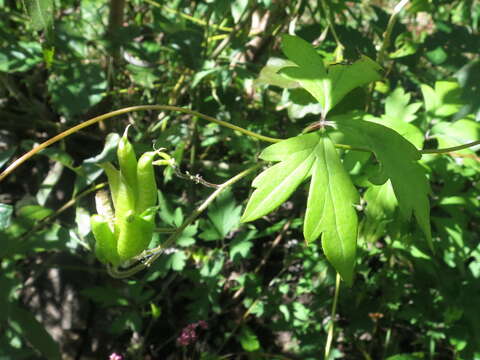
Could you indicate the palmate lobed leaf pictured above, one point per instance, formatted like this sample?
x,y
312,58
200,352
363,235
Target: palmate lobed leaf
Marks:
x,y
310,72
398,160
327,85
330,206
277,183
330,209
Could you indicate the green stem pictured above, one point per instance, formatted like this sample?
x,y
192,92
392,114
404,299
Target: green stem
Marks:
x,y
330,22
450,149
331,327
115,22
388,31
158,251
111,114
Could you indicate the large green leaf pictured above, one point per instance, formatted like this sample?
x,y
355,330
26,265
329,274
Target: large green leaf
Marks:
x,y
327,86
330,209
331,200
398,160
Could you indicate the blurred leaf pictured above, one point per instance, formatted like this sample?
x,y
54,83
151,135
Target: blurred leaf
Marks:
x,y
404,357
437,56
76,88
224,215
249,340
59,155
177,260
6,155
89,170
48,183
6,212
469,79
20,57
240,246
269,74
34,212
108,152
404,46
130,320
82,220
166,214
381,206
106,296
187,238
143,76
29,328
213,264
457,133
155,310
238,7
40,12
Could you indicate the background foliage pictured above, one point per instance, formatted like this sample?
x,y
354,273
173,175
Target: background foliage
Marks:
x,y
231,290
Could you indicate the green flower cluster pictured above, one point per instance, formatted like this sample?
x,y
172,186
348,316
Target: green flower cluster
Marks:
x,y
125,233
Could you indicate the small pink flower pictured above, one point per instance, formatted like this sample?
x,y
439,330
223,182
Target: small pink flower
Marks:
x,y
203,324
115,356
189,334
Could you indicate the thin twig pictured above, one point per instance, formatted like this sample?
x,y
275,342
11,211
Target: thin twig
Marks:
x,y
450,149
388,31
331,327
195,178
123,111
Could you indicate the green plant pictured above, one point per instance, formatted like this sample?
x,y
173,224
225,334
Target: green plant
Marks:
x,y
125,233
370,172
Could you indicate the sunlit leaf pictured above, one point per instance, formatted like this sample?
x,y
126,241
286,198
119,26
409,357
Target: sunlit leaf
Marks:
x,y
397,106
444,100
327,85
249,340
276,184
398,160
330,209
41,13
310,72
269,74
331,200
